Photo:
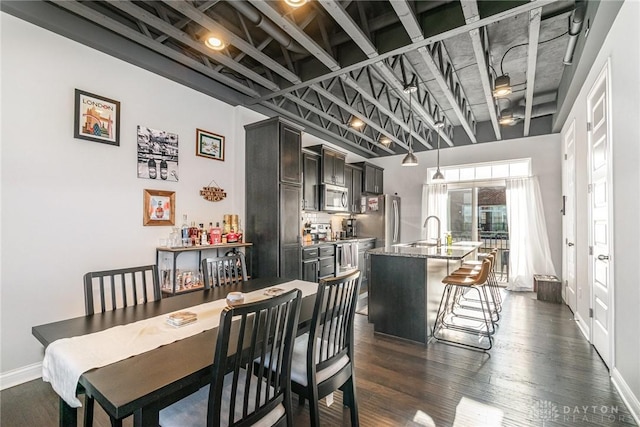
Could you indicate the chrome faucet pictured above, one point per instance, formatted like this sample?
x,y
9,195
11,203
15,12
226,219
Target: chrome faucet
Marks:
x,y
426,221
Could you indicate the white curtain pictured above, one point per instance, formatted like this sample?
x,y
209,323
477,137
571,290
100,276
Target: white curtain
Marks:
x,y
434,202
529,252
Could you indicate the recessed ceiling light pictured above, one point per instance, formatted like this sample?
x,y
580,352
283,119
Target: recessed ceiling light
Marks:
x,y
356,123
385,140
214,43
295,3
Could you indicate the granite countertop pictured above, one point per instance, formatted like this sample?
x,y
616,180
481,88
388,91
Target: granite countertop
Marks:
x,y
424,249
333,242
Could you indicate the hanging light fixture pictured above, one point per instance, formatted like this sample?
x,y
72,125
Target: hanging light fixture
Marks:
x,y
506,117
410,159
438,176
214,42
502,86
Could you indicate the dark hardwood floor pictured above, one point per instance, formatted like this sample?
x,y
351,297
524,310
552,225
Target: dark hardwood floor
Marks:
x,y
540,372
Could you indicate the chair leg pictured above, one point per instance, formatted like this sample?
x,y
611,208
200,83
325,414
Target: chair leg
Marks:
x,y
301,400
314,413
116,423
88,411
349,399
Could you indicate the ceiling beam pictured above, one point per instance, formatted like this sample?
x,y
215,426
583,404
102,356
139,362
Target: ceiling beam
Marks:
x,y
523,8
413,28
132,34
150,19
532,57
212,25
480,43
329,135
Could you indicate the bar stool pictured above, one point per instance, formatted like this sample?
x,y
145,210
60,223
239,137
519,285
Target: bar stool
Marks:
x,y
447,319
495,303
494,288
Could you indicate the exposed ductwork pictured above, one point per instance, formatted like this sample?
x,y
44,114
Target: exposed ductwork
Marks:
x,y
253,15
539,110
575,26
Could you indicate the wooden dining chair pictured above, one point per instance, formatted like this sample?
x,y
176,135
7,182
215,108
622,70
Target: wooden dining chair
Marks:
x,y
113,289
323,358
225,270
250,378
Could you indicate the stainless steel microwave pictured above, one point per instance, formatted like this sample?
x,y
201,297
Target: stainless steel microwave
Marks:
x,y
333,198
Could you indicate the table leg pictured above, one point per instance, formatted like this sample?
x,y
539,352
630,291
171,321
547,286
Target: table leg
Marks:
x,y
146,417
68,415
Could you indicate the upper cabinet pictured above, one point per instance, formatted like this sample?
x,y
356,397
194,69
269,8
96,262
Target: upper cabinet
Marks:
x,y
373,179
290,159
353,182
311,181
331,165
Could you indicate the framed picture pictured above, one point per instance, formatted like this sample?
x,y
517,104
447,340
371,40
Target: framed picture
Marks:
x,y
159,207
209,145
157,154
96,118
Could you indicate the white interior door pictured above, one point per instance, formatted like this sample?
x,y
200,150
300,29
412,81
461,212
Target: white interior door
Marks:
x,y
569,219
600,259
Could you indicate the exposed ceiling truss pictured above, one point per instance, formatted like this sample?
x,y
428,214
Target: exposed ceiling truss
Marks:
x,y
332,61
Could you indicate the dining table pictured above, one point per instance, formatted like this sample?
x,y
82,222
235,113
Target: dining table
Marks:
x,y
144,384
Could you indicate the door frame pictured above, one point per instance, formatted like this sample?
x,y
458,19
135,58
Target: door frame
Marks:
x,y
605,74
569,198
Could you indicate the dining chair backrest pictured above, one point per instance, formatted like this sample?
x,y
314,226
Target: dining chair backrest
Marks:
x,y
226,270
331,330
112,289
252,361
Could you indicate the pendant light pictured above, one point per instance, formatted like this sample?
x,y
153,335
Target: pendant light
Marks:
x,y
438,176
410,159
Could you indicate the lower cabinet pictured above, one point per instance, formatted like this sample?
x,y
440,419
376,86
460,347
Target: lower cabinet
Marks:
x,y
290,261
318,262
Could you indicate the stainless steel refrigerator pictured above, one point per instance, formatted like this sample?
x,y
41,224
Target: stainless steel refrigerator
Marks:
x,y
381,219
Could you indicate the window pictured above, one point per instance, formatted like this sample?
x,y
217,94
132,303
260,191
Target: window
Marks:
x,y
484,171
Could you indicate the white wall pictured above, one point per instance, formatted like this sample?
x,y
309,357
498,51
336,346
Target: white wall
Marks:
x,y
622,47
544,152
71,206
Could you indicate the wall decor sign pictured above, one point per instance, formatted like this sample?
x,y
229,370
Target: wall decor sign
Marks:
x,y
157,154
96,118
159,207
209,145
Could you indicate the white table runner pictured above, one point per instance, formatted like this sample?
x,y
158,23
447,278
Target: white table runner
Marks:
x,y
65,360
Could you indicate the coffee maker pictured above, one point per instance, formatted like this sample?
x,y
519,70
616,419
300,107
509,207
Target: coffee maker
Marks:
x,y
349,226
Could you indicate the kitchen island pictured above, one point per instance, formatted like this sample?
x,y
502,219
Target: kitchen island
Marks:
x,y
405,285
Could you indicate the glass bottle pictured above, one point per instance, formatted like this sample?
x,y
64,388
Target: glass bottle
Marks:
x,y
240,232
163,169
185,231
153,172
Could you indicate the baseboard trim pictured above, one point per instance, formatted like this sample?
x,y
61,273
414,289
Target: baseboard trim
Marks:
x,y
20,375
632,402
582,325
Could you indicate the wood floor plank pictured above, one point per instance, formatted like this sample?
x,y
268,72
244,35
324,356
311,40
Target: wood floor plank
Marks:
x,y
540,372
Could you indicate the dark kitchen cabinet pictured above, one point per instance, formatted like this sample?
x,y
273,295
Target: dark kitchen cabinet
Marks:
x,y
373,178
353,182
273,180
332,164
318,262
332,167
311,182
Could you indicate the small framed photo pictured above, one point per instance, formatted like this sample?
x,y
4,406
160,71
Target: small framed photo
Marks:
x,y
96,118
209,145
159,207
